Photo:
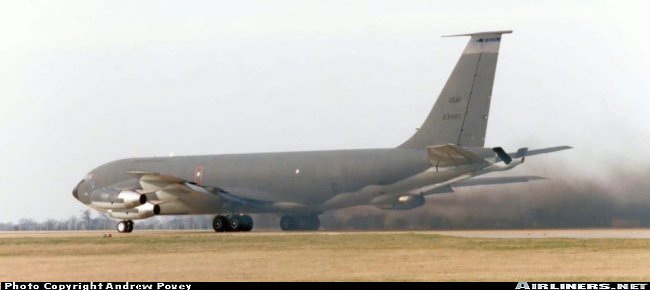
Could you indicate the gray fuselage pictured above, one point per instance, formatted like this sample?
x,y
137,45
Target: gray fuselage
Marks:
x,y
309,178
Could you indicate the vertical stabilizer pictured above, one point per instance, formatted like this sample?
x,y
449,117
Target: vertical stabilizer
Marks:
x,y
461,112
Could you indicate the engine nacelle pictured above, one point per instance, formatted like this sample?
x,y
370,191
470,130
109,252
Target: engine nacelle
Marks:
x,y
111,199
401,202
140,212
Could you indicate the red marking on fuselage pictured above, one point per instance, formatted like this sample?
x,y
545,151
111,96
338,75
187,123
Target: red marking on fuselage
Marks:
x,y
198,174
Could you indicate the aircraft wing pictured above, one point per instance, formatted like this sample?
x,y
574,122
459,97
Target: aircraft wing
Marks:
x,y
153,181
187,197
496,180
476,181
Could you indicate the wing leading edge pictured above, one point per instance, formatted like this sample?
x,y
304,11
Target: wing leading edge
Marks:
x,y
184,197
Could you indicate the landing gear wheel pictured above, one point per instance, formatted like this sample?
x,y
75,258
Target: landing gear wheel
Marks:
x,y
121,227
125,226
288,223
300,222
129,226
235,223
248,221
312,223
220,223
245,222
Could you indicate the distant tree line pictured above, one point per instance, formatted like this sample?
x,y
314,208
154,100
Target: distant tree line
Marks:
x,y
89,220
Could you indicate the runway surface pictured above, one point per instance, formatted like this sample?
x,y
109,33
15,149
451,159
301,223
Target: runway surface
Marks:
x,y
545,234
638,233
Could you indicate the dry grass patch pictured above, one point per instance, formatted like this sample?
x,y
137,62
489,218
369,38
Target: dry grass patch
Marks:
x,y
200,256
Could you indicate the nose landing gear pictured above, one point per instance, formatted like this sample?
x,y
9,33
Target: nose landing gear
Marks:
x,y
125,226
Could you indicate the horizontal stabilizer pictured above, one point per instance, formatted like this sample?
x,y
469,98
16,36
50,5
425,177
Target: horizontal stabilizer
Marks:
x,y
519,154
451,155
523,152
480,33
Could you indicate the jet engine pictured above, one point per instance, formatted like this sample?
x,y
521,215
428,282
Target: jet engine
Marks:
x,y
401,202
139,212
113,199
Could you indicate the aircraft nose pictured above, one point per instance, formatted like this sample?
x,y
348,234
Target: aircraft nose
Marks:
x,y
75,191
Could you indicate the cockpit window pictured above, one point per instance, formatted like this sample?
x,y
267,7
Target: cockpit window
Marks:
x,y
90,181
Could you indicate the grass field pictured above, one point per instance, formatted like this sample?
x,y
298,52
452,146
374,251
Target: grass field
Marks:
x,y
404,256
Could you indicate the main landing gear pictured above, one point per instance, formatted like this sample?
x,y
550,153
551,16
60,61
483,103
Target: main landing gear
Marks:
x,y
233,223
125,226
300,223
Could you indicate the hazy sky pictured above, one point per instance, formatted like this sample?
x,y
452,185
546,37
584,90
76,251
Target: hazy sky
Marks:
x,y
87,82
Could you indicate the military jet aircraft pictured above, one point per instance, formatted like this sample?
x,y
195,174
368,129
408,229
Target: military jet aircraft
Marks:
x,y
447,151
